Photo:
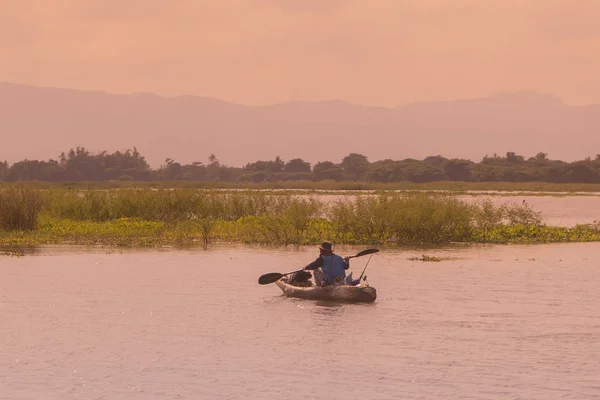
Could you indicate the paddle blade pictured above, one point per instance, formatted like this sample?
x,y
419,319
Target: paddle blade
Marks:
x,y
367,251
270,278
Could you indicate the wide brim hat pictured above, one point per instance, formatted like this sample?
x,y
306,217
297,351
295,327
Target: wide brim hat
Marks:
x,y
326,246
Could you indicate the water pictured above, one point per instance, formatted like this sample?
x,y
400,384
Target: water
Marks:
x,y
490,322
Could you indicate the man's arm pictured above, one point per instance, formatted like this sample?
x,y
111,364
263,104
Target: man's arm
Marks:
x,y
314,265
346,263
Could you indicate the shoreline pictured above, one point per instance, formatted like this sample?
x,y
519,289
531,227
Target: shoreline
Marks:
x,y
336,187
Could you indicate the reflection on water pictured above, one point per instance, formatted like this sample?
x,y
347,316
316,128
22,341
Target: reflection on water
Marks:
x,y
18,251
492,322
327,304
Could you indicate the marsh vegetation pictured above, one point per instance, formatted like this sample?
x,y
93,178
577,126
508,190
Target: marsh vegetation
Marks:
x,y
144,216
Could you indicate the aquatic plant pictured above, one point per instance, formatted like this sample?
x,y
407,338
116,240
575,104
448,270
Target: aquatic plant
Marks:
x,y
161,204
147,216
414,218
426,258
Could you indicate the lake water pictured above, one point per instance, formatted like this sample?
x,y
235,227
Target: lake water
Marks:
x,y
489,322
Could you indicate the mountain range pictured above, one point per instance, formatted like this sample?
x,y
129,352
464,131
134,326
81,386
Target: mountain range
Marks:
x,y
41,122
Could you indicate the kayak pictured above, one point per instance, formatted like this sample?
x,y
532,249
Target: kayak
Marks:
x,y
362,293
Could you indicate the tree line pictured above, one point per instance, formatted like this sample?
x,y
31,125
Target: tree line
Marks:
x,y
79,164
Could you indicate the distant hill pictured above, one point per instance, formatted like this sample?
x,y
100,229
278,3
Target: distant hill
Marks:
x,y
39,123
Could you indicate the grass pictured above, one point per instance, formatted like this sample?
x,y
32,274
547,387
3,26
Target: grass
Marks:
x,y
152,217
19,208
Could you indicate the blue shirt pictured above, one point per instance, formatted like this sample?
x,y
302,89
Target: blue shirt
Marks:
x,y
332,265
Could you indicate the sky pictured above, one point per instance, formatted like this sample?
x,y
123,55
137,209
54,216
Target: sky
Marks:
x,y
374,52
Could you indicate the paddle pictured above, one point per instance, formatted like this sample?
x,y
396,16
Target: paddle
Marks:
x,y
364,253
275,276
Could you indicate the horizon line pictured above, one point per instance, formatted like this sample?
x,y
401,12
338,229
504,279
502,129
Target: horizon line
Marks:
x,y
332,100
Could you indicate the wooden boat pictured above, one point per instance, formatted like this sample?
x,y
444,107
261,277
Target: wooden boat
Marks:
x,y
362,293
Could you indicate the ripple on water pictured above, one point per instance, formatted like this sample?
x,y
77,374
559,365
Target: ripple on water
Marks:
x,y
487,323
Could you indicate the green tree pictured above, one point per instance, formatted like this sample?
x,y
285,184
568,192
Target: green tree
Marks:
x,y
268,167
582,172
421,172
513,158
195,171
296,165
213,161
355,166
213,168
457,169
438,160
327,170
172,170
383,171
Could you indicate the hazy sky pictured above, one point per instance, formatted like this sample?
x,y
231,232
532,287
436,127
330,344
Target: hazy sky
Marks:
x,y
378,52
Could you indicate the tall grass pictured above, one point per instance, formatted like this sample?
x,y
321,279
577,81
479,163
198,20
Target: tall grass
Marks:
x,y
160,205
19,208
291,222
416,218
275,218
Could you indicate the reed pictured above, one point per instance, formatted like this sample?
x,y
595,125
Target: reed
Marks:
x,y
19,208
146,216
167,205
415,218
293,222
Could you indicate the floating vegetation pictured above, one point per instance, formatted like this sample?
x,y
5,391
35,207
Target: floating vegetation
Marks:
x,y
149,217
426,258
11,253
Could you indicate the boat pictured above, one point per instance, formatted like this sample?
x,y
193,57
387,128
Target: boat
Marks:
x,y
361,293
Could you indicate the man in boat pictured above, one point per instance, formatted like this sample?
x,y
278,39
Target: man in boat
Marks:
x,y
329,268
